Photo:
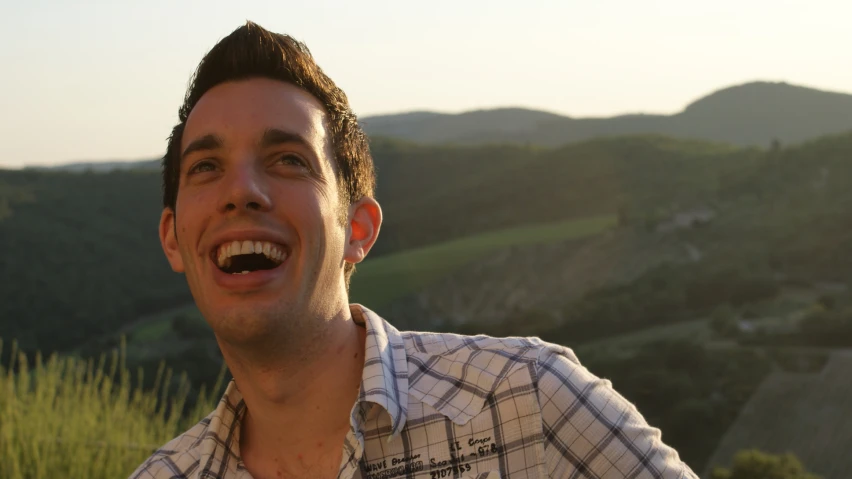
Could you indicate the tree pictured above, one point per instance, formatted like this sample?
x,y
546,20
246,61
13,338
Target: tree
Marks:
x,y
754,464
775,146
724,322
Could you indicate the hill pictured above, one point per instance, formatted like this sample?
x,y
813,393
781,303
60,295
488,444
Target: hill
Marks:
x,y
815,426
772,214
101,166
431,127
82,255
457,191
752,114
605,245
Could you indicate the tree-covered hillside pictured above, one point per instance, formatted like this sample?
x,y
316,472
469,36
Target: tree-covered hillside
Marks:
x,y
81,256
686,272
82,259
771,213
431,194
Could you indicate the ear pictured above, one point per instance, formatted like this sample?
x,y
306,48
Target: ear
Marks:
x,y
169,241
365,220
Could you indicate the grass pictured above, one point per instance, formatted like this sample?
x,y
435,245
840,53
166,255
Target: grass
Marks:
x,y
65,417
158,325
624,344
152,330
380,281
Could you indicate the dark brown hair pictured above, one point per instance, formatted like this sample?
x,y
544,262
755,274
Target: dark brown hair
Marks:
x,y
251,51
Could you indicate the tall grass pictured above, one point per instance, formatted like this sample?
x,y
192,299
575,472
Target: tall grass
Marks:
x,y
67,417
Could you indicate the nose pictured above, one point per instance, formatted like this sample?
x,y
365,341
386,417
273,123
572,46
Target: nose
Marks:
x,y
245,189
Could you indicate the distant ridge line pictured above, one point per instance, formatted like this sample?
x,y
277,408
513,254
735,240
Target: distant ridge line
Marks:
x,y
751,114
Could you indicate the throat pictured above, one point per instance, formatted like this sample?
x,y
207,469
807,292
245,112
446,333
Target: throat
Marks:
x,y
306,454
311,394
313,389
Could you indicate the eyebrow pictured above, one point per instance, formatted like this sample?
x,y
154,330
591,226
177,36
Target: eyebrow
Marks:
x,y
205,143
274,136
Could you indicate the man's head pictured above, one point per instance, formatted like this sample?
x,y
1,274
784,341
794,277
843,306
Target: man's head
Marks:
x,y
267,150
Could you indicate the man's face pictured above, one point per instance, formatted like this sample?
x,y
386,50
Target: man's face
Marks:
x,y
257,169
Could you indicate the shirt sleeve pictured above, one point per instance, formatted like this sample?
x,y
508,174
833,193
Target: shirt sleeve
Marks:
x,y
591,431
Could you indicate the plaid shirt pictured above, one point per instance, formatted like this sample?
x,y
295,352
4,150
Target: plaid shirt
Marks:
x,y
449,406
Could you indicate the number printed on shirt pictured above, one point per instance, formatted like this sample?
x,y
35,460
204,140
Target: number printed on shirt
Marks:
x,y
449,471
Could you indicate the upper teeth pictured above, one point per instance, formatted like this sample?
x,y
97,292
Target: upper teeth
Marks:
x,y
270,250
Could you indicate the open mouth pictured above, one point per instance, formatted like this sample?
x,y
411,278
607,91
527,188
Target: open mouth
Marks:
x,y
244,257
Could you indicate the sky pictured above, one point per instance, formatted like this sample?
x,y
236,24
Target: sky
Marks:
x,y
102,80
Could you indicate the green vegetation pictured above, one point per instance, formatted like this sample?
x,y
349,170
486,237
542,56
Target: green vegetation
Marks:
x,y
805,413
668,294
664,295
694,275
83,257
434,194
80,256
754,464
151,331
692,394
386,278
819,327
65,417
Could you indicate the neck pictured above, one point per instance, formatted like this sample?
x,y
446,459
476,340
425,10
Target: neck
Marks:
x,y
300,401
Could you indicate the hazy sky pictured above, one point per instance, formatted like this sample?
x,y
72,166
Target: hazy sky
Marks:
x,y
103,81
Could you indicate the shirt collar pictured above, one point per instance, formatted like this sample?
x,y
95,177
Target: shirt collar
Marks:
x,y
385,377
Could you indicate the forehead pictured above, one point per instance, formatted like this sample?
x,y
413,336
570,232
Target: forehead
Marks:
x,y
242,110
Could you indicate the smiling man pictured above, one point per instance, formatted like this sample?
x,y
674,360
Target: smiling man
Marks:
x,y
268,205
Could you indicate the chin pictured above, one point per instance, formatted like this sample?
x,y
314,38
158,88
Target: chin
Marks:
x,y
249,325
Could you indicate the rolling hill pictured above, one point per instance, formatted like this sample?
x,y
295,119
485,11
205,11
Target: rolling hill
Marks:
x,y
102,166
780,213
752,114
435,193
628,239
815,424
82,256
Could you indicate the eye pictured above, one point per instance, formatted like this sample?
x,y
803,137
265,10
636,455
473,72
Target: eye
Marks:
x,y
201,167
291,159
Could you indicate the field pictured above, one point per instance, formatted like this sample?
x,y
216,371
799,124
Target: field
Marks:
x,y
378,282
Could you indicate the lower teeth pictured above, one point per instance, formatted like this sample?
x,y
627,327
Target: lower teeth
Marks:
x,y
244,272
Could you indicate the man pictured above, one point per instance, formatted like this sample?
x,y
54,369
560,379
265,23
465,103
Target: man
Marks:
x,y
268,205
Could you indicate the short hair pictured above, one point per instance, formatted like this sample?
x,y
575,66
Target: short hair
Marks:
x,y
251,51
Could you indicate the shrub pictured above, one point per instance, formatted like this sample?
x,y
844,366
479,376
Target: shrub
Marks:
x,y
754,464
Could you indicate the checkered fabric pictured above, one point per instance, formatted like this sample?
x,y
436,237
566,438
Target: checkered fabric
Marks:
x,y
448,406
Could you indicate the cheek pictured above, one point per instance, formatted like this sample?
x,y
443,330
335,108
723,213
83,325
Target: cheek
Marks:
x,y
318,218
192,214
